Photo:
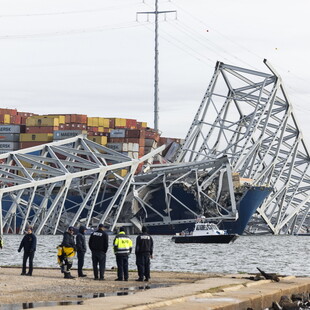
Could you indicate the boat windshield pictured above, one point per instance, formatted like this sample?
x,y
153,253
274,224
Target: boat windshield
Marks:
x,y
206,226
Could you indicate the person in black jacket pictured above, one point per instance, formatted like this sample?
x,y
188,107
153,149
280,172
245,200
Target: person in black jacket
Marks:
x,y
68,249
144,251
81,250
29,244
98,244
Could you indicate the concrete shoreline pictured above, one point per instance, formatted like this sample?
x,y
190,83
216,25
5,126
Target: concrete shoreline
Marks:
x,y
225,292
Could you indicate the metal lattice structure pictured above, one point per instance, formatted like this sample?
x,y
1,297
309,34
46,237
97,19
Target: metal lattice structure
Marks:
x,y
246,115
210,181
65,183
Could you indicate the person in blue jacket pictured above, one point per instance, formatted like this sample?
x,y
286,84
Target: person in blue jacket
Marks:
x,y
81,250
144,252
29,244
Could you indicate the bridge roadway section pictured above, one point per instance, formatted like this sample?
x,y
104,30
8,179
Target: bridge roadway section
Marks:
x,y
231,292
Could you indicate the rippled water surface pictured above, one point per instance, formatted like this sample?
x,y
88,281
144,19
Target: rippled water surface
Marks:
x,y
280,254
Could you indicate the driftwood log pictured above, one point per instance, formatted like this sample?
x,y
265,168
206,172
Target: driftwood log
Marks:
x,y
269,276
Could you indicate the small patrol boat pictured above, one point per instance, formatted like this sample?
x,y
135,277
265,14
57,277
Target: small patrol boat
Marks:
x,y
205,232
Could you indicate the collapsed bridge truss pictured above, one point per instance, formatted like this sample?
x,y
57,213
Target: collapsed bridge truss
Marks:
x,y
244,124
65,183
246,115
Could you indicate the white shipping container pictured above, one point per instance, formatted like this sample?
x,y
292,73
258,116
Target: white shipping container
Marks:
x,y
9,145
135,147
134,155
9,129
117,133
9,137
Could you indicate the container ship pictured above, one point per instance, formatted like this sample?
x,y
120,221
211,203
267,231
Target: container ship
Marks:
x,y
20,130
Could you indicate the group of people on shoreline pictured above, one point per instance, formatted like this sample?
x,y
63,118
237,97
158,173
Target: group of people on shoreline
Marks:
x,y
98,244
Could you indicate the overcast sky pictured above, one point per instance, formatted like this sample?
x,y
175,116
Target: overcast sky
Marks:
x,y
92,56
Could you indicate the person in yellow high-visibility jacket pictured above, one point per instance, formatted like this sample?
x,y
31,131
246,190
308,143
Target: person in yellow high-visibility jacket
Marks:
x,y
66,253
122,246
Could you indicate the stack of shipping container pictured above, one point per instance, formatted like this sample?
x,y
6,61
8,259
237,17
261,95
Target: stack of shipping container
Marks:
x,y
12,124
19,130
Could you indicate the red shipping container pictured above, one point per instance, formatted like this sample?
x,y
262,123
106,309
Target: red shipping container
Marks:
x,y
25,114
23,120
8,111
150,134
141,151
140,167
24,145
77,126
16,119
41,129
112,122
116,140
82,119
94,129
68,118
78,118
131,123
135,133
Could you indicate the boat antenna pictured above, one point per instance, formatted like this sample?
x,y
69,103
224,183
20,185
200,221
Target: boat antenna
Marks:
x,y
156,78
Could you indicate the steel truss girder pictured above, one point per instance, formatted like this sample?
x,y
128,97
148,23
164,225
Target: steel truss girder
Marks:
x,y
197,176
63,183
246,115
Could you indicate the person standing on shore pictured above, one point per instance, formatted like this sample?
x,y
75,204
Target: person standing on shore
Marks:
x,y
29,244
68,251
98,244
81,250
122,246
1,242
144,252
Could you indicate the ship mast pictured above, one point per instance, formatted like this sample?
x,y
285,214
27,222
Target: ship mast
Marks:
x,y
156,73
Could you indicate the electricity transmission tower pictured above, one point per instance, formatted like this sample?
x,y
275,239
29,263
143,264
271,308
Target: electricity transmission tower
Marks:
x,y
156,78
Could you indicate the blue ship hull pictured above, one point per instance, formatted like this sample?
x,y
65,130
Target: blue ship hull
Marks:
x,y
248,204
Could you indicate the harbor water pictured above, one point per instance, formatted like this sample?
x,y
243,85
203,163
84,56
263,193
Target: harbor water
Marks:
x,y
284,255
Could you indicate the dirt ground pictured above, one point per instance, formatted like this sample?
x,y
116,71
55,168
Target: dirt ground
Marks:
x,y
49,285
